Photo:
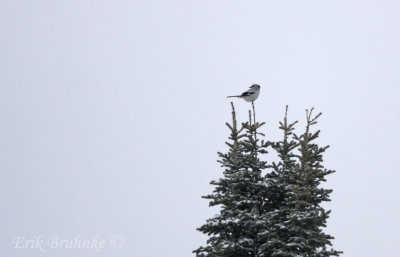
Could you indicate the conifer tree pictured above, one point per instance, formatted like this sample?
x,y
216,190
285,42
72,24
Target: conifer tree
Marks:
x,y
278,214
309,217
295,226
282,181
240,194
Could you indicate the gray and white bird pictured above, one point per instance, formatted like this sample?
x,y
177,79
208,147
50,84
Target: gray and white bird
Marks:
x,y
250,95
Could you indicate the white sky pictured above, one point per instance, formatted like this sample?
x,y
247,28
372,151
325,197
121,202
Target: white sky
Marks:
x,y
112,113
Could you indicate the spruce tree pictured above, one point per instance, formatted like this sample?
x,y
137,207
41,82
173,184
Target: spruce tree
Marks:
x,y
309,217
240,195
294,228
282,182
278,214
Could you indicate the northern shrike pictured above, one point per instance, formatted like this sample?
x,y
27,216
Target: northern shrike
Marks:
x,y
250,95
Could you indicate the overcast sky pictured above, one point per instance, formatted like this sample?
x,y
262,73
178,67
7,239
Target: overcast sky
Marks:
x,y
112,113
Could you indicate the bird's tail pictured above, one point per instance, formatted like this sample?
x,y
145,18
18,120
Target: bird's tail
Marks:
x,y
233,96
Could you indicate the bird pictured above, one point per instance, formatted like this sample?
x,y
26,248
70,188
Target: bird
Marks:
x,y
250,95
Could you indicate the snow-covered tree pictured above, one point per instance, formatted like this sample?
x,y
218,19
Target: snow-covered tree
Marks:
x,y
283,181
269,210
294,228
240,194
308,217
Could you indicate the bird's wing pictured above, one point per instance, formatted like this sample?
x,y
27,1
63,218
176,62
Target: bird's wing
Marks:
x,y
248,92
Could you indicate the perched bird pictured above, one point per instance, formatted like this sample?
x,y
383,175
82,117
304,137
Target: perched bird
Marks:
x,y
250,95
